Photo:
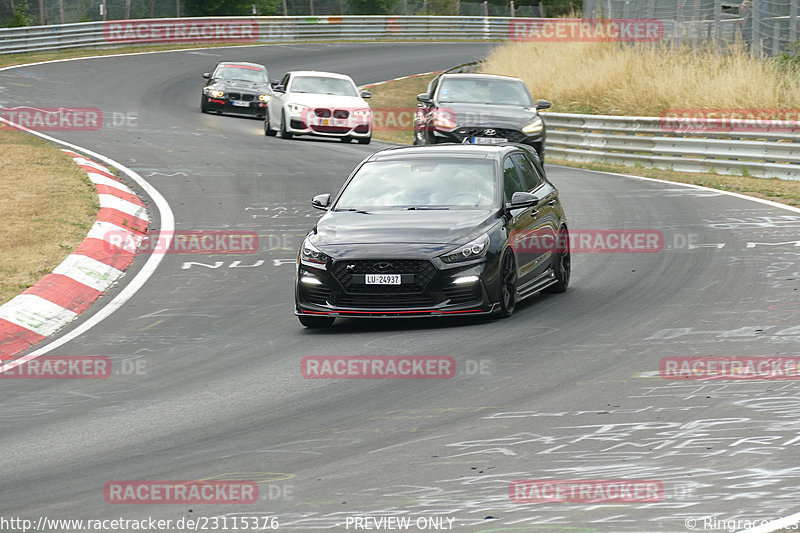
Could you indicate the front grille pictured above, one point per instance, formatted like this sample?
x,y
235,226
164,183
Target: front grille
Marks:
x,y
315,294
384,301
421,269
323,113
511,135
329,129
242,97
462,294
341,113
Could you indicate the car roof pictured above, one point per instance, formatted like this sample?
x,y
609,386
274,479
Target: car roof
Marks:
x,y
479,76
319,73
242,63
480,151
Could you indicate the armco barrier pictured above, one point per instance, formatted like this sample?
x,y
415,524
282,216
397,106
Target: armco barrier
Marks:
x,y
652,141
266,30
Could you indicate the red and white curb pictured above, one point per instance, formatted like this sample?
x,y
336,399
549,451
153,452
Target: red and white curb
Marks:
x,y
86,274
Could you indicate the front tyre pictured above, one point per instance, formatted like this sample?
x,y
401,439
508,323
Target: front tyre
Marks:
x,y
316,322
508,284
562,263
203,104
268,131
284,134
364,140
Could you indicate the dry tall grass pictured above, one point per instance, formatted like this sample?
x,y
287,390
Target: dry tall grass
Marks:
x,y
614,79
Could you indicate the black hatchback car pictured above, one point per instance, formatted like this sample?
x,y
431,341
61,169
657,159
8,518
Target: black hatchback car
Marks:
x,y
434,231
237,88
479,109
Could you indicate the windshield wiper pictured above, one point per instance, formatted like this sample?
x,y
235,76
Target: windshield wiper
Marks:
x,y
355,210
426,208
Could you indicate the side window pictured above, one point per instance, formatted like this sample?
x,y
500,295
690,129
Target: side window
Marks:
x,y
285,82
511,179
530,176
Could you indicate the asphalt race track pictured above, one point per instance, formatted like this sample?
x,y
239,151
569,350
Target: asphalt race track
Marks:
x,y
570,387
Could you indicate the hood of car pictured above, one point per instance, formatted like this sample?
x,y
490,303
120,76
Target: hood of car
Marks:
x,y
494,115
326,100
395,232
240,85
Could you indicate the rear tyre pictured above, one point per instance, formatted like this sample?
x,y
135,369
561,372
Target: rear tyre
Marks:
x,y
316,322
284,134
508,284
562,263
365,140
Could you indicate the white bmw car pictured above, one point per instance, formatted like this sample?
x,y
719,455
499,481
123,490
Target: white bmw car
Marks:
x,y
324,104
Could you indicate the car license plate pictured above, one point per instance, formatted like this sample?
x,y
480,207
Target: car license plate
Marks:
x,y
382,279
240,103
488,140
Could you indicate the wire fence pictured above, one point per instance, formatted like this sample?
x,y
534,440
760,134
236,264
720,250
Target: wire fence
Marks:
x,y
764,27
41,12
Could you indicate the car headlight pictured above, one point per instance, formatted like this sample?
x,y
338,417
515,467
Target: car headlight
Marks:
x,y
311,256
534,127
216,94
444,120
472,250
362,114
264,98
296,108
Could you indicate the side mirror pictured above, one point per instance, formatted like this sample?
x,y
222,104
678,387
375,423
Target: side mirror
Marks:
x,y
543,104
523,199
366,94
274,83
321,201
207,75
279,88
423,97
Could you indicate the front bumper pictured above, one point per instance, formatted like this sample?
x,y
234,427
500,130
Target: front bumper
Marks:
x,y
425,290
462,133
255,108
308,123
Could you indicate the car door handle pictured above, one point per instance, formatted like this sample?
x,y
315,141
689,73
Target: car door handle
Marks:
x,y
534,212
552,202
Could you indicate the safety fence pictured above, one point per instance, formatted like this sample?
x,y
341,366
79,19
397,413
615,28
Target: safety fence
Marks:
x,y
740,146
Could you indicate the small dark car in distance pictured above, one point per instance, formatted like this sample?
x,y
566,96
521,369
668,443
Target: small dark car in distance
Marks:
x,y
237,88
479,109
434,231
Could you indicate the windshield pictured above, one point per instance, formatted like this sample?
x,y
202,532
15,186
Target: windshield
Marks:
x,y
421,183
241,72
484,91
322,85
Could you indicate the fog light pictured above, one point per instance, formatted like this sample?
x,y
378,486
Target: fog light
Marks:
x,y
465,279
310,280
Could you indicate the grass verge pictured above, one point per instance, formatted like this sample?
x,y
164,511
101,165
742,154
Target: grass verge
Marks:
x,y
47,205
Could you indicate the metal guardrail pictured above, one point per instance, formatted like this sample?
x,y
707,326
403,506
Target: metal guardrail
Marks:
x,y
267,30
703,145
